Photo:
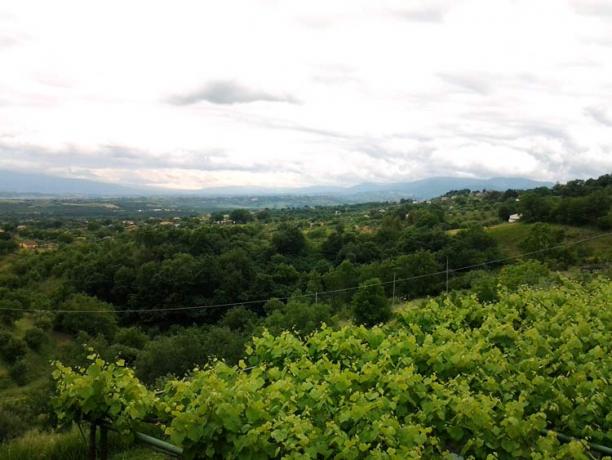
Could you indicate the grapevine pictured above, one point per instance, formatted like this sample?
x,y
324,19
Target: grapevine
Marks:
x,y
451,376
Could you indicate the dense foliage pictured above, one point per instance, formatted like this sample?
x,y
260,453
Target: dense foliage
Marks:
x,y
450,376
130,277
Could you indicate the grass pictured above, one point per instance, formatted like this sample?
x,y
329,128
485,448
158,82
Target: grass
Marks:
x,y
36,445
70,445
510,236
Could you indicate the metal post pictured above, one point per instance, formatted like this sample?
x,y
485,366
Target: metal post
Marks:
x,y
91,455
447,274
103,442
393,297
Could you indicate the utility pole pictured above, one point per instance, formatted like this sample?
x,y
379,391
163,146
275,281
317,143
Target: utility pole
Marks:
x,y
393,301
316,297
447,274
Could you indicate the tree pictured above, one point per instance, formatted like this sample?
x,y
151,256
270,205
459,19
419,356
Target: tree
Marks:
x,y
370,306
504,212
298,316
11,348
7,243
535,207
35,338
289,240
544,240
527,273
217,216
241,216
88,314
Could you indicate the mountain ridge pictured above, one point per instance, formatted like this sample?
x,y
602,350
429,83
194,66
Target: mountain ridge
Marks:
x,y
34,184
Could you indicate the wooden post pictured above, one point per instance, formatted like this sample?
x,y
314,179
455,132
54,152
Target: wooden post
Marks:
x,y
91,454
103,442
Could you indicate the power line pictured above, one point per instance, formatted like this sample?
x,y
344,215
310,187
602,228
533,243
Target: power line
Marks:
x,y
316,294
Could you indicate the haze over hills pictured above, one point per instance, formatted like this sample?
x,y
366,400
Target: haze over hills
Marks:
x,y
31,184
18,183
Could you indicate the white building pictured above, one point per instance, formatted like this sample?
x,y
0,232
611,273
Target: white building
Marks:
x,y
514,218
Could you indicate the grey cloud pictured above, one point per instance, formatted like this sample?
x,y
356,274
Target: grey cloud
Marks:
x,y
472,83
228,92
118,157
599,115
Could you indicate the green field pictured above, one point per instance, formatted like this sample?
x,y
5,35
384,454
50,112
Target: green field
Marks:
x,y
510,236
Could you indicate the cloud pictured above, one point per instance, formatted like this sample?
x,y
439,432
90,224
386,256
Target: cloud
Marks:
x,y
432,11
302,93
470,82
227,92
592,7
429,14
600,115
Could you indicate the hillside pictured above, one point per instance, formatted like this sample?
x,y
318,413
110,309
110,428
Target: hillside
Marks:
x,y
449,377
171,288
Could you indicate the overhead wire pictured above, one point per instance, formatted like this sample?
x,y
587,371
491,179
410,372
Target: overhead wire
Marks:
x,y
316,294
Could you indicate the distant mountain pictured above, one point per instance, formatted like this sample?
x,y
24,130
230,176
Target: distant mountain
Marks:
x,y
18,183
432,187
423,189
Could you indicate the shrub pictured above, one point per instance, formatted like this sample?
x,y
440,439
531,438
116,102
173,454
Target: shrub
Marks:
x,y
10,426
90,315
43,320
35,338
11,348
19,372
132,337
370,305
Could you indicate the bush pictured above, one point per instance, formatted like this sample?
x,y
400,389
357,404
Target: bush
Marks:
x,y
300,317
10,425
485,288
103,321
43,320
528,273
11,348
132,337
370,306
179,353
19,372
35,338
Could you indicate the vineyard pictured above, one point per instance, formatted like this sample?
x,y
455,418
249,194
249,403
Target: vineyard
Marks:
x,y
451,377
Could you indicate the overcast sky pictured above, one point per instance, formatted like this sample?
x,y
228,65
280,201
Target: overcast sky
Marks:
x,y
190,94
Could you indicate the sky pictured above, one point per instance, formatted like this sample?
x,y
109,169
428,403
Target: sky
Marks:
x,y
191,94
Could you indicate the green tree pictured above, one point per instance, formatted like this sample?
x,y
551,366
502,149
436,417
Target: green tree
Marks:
x,y
370,306
88,314
289,240
544,241
241,216
35,338
534,207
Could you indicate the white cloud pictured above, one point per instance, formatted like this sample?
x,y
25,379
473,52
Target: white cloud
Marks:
x,y
295,93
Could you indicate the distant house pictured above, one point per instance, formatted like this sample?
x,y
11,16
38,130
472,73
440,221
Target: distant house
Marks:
x,y
29,245
514,218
